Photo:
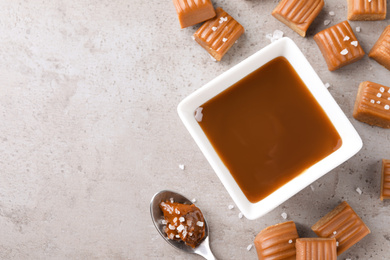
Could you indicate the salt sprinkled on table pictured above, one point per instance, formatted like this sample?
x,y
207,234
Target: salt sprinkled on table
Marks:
x,y
284,215
326,22
240,215
358,29
231,207
249,247
193,200
181,166
327,85
358,190
331,13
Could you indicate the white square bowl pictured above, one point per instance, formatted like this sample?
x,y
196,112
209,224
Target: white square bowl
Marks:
x,y
351,141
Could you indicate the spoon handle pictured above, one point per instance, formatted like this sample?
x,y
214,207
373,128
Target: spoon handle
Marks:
x,y
204,250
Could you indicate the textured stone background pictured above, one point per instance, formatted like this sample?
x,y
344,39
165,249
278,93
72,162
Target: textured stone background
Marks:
x,y
89,130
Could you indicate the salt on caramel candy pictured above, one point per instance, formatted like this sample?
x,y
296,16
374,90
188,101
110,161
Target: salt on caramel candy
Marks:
x,y
191,12
219,34
385,183
316,249
381,50
277,241
298,14
372,105
366,10
344,225
339,45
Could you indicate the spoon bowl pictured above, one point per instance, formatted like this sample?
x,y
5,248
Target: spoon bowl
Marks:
x,y
157,215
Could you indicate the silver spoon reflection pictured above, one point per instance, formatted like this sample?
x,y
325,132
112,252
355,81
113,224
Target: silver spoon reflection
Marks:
x,y
202,249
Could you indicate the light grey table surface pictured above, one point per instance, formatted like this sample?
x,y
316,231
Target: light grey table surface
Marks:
x,y
89,130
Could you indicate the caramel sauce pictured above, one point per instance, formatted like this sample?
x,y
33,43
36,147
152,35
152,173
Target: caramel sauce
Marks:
x,y
268,128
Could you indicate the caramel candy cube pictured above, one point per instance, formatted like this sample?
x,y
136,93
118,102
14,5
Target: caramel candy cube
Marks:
x,y
365,10
343,224
219,34
316,249
381,50
339,45
298,14
277,242
372,105
191,12
385,185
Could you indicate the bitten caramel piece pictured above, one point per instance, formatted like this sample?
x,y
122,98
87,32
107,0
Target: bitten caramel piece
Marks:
x,y
385,187
298,14
366,10
339,45
191,12
219,34
343,224
372,105
277,242
381,50
316,249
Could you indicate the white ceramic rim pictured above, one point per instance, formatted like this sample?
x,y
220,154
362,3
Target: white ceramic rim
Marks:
x,y
351,141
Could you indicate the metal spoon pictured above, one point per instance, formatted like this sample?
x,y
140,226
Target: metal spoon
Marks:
x,y
202,249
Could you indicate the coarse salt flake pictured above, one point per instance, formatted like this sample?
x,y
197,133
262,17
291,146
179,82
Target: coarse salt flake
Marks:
x,y
193,37
346,38
199,224
312,187
171,199
284,215
382,89
193,200
358,190
327,85
198,114
337,243
171,227
354,43
214,28
388,98
224,39
387,107
231,207
326,22
344,52
181,166
388,91
290,241
372,101
177,211
369,1
278,34
379,95
171,236
334,232
378,102
175,220
164,222
182,219
177,236
240,215
249,247
331,13
180,228
358,29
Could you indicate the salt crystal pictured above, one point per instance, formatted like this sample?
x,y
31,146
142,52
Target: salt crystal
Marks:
x,y
164,222
181,166
379,95
344,52
358,190
199,223
372,101
193,37
358,29
387,107
331,13
278,34
189,222
190,234
334,232
212,58
198,114
171,199
378,102
224,39
180,228
240,215
231,207
312,187
382,89
269,37
236,41
184,233
249,247
326,22
354,43
177,236
214,28
369,1
388,98
337,243
327,85
171,227
182,219
346,38
388,91
174,220
171,236
290,241
284,215
193,200
177,211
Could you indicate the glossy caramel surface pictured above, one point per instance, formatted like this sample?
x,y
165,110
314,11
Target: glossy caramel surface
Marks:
x,y
268,128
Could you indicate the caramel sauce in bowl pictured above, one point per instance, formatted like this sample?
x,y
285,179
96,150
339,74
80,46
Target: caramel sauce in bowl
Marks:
x,y
269,127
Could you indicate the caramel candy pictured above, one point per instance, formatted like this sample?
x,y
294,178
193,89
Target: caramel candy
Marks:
x,y
365,10
219,34
381,50
298,14
343,224
316,249
191,12
385,187
277,242
372,105
339,45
